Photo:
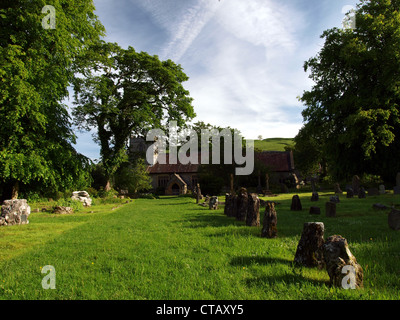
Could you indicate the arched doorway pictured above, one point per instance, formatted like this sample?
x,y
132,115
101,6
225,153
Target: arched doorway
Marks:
x,y
175,189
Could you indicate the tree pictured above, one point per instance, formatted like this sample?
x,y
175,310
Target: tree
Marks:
x,y
37,65
128,92
353,108
133,178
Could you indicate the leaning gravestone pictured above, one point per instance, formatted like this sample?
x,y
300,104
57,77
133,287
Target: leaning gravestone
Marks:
x,y
296,204
309,249
242,200
253,211
394,219
270,221
341,265
82,196
15,211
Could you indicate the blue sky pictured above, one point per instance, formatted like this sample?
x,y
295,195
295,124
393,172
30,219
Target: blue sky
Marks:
x,y
244,58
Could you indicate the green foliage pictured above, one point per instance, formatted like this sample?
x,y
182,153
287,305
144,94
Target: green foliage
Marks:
x,y
68,202
133,178
36,67
134,92
352,111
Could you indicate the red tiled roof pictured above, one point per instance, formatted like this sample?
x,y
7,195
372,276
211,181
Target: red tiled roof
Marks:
x,y
159,168
277,161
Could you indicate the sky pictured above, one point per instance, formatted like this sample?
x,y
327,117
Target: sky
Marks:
x,y
244,58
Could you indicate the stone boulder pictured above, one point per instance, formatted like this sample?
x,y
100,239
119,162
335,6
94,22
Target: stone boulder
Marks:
x,y
83,197
63,210
309,249
15,211
213,203
341,265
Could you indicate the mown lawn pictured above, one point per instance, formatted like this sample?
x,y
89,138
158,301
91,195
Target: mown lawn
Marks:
x,y
273,144
171,248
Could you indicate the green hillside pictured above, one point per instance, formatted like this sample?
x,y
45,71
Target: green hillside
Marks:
x,y
273,144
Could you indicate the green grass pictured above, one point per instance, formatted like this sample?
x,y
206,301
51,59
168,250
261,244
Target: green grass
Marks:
x,y
273,144
171,248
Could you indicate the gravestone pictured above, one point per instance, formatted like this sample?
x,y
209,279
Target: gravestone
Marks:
x,y
373,192
269,229
337,255
198,193
242,204
309,249
356,184
296,204
15,211
213,203
394,219
330,209
253,210
382,189
334,199
315,210
337,188
82,196
314,197
362,193
349,192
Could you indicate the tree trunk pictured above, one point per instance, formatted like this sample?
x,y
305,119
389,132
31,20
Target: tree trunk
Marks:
x,y
107,186
15,190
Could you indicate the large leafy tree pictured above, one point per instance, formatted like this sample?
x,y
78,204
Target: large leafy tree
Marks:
x,y
353,108
37,64
128,92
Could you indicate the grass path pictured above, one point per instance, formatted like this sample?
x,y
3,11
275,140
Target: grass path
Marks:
x,y
170,248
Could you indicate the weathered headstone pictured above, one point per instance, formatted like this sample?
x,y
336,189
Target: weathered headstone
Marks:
x,y
337,188
314,197
296,204
315,210
82,196
198,193
396,189
309,249
330,209
341,265
394,219
253,211
270,221
356,184
213,203
15,211
349,192
242,205
382,189
373,192
362,193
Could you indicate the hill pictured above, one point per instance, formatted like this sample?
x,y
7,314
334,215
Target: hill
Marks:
x,y
273,144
